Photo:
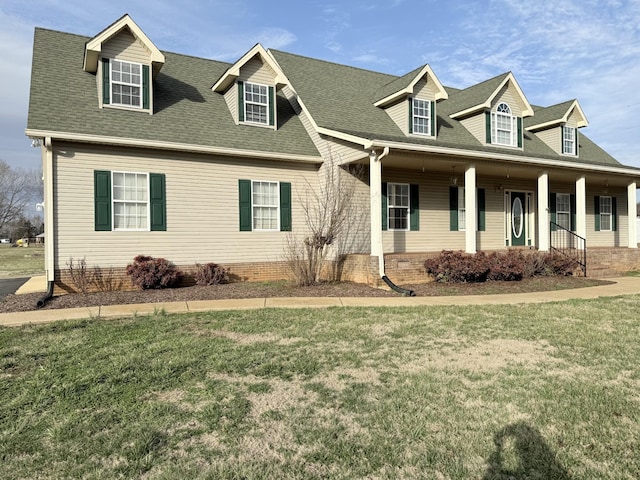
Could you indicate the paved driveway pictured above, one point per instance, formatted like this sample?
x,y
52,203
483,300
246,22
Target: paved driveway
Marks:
x,y
10,285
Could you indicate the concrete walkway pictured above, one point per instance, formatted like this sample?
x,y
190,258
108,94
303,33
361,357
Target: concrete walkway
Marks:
x,y
622,286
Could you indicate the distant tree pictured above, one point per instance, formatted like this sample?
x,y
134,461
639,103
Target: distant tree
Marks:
x,y
18,188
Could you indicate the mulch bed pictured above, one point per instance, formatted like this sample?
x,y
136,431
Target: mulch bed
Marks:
x,y
18,303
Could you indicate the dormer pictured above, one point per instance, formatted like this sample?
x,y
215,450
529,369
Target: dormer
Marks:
x,y
558,125
249,88
493,111
125,62
410,101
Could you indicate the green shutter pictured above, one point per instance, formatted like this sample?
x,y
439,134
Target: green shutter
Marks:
x,y
272,105
553,211
596,212
519,119
385,213
410,115
244,194
487,123
414,207
241,105
482,224
285,207
106,89
453,209
614,214
102,200
433,118
157,201
572,203
145,87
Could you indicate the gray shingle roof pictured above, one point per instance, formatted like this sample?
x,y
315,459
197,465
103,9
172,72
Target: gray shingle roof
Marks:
x,y
544,115
64,98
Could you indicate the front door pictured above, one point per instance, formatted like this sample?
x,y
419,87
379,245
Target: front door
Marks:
x,y
518,219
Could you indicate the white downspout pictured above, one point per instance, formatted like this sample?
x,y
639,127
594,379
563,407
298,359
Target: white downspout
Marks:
x,y
49,227
375,189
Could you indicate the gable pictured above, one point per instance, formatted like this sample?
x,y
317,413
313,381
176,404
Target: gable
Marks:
x,y
510,96
124,46
257,71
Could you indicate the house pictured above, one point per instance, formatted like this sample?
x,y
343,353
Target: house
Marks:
x,y
195,160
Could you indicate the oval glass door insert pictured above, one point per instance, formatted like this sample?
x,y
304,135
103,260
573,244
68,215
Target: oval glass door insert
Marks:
x,y
517,223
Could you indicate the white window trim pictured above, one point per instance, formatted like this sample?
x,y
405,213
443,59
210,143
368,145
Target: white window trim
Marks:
x,y
572,140
427,117
512,120
114,201
462,210
112,83
604,215
567,212
277,207
407,208
245,104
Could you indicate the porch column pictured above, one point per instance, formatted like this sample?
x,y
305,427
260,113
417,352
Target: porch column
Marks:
x,y
631,214
470,209
543,212
581,206
375,195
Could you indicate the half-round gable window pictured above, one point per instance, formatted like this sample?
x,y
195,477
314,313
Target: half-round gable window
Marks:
x,y
503,108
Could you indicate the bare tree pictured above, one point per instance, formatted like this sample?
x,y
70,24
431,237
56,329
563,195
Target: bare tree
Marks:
x,y
18,187
328,212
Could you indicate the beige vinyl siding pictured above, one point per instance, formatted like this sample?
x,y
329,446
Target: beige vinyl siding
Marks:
x,y
476,126
510,96
572,121
124,46
231,99
399,113
425,90
254,71
202,207
552,137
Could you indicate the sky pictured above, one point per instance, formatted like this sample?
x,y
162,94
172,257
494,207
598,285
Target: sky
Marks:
x,y
558,50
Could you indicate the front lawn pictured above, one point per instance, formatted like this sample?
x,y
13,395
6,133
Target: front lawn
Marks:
x,y
537,391
20,261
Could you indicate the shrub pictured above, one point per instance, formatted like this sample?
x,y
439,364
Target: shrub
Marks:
x,y
507,267
148,272
458,267
211,274
80,276
512,265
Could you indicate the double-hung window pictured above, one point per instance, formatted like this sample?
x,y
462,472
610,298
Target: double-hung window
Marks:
x,y
264,205
606,211
126,83
130,201
503,126
563,210
421,116
398,205
568,140
256,103
462,211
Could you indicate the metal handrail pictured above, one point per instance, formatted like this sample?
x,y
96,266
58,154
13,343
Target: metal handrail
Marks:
x,y
568,244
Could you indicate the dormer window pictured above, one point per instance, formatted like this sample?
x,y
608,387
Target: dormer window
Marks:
x,y
506,128
256,103
421,117
125,84
569,141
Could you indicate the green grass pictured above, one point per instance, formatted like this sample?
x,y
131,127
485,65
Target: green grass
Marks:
x,y
542,391
20,261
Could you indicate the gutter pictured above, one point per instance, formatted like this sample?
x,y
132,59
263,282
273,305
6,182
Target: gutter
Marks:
x,y
181,147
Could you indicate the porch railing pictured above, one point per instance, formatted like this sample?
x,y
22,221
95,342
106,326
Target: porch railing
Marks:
x,y
568,244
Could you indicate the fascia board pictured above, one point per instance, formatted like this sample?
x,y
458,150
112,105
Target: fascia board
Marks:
x,y
440,95
541,162
95,44
231,75
170,146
